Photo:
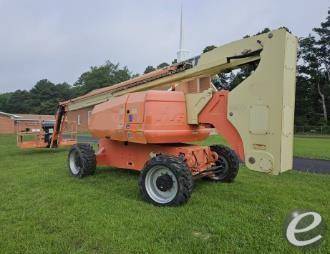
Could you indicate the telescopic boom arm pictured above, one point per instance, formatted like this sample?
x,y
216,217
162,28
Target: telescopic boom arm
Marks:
x,y
260,110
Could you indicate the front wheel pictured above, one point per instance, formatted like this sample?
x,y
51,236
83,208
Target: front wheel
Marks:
x,y
81,160
166,181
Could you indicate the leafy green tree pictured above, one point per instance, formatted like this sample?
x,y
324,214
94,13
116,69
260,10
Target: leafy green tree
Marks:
x,y
101,76
162,65
19,102
149,68
43,90
263,31
323,54
208,48
323,44
314,67
4,98
44,97
304,106
65,91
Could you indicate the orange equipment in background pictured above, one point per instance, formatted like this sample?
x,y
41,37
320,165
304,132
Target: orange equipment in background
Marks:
x,y
41,136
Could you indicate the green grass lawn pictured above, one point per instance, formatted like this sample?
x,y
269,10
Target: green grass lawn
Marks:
x,y
312,147
44,210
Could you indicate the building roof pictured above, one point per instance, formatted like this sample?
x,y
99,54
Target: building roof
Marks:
x,y
29,117
35,117
8,114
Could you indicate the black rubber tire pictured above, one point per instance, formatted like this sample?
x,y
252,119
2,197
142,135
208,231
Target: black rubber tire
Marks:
x,y
179,169
85,158
231,160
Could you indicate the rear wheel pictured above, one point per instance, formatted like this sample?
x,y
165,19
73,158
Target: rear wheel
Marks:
x,y
228,162
81,160
166,180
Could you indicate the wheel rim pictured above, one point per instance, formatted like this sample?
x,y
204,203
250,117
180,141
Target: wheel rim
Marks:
x,y
225,167
153,182
75,162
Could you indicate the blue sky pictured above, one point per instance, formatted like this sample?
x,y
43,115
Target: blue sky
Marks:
x,y
60,39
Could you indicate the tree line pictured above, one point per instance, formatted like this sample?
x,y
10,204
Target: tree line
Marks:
x,y
312,87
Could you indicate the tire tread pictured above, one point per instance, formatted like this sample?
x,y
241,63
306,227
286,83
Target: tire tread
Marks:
x,y
232,159
179,169
88,159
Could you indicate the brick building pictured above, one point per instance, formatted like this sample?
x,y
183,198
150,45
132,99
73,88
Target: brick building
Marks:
x,y
11,123
80,117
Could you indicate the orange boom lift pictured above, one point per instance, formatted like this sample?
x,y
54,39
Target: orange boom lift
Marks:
x,y
147,130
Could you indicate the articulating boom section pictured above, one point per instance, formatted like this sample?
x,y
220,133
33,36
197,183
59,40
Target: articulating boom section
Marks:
x,y
261,108
59,121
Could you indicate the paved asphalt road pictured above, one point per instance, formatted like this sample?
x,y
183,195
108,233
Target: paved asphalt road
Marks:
x,y
311,165
300,164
